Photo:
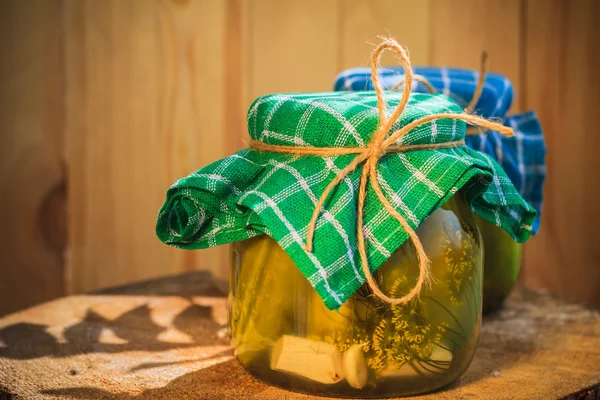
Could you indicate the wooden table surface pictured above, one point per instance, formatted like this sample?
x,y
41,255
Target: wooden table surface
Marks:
x,y
167,339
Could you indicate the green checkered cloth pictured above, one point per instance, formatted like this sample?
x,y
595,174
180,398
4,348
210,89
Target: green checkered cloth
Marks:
x,y
253,192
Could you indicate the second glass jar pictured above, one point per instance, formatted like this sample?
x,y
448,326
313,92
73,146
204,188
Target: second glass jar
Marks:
x,y
502,263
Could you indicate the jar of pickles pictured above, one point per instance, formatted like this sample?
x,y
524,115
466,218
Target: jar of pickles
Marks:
x,y
283,333
357,264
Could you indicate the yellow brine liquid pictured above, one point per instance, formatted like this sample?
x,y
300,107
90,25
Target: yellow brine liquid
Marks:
x,y
283,333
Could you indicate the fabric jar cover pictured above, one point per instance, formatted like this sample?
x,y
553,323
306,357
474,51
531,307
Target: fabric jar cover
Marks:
x,y
522,158
257,192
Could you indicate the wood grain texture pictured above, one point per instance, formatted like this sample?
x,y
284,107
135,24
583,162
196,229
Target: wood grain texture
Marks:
x,y
236,101
32,201
362,21
147,96
293,45
148,342
561,85
461,31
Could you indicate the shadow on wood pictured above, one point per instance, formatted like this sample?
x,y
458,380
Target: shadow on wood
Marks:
x,y
133,331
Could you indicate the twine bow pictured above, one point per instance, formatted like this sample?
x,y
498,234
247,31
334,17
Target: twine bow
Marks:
x,y
381,144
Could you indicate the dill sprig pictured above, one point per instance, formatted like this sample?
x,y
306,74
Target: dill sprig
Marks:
x,y
459,261
403,334
344,339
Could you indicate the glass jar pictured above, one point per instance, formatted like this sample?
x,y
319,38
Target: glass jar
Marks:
x,y
283,333
502,264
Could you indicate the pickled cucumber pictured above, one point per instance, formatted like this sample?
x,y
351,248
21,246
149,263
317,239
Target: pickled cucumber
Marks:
x,y
262,308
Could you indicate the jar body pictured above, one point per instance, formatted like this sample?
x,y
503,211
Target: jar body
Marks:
x,y
283,333
502,264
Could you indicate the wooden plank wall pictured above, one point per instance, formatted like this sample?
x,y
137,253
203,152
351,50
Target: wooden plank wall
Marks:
x,y
32,191
560,75
146,105
144,92
459,34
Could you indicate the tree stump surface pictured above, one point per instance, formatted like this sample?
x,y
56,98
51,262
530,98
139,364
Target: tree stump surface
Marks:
x,y
167,339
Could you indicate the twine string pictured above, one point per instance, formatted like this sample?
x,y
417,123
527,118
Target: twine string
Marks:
x,y
369,157
480,82
483,67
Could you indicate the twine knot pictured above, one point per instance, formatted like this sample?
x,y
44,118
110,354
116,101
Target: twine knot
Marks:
x,y
375,150
381,143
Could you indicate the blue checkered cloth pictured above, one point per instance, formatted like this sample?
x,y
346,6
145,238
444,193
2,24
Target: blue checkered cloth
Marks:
x,y
522,157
